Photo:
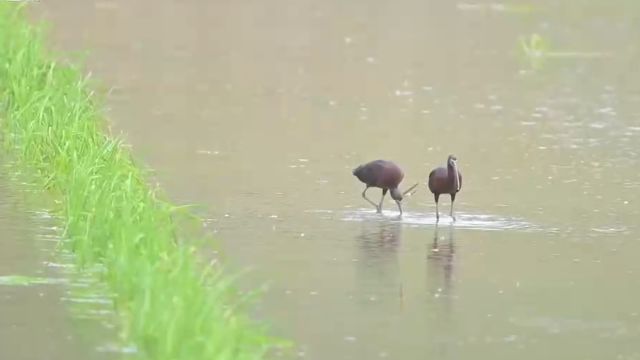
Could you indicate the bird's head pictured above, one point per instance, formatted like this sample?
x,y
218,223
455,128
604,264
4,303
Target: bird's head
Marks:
x,y
396,194
452,160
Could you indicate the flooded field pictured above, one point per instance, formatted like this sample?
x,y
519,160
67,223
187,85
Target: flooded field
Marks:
x,y
260,110
46,312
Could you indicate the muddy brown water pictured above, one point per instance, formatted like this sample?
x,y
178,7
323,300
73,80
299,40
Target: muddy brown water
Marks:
x,y
259,111
46,311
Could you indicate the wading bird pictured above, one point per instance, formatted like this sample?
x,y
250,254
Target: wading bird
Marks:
x,y
385,175
446,180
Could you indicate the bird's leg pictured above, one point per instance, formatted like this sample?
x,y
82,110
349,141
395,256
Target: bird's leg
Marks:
x,y
364,196
399,207
451,212
379,207
453,198
436,196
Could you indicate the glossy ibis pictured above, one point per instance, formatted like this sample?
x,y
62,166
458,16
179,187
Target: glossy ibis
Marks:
x,y
446,180
385,175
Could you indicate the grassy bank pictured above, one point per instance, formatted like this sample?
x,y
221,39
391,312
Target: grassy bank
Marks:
x,y
171,306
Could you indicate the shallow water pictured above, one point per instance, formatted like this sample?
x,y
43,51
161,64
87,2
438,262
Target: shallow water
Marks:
x,y
38,290
259,111
461,221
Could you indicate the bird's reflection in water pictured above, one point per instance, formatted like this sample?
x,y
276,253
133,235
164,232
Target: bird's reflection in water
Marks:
x,y
377,260
440,260
440,280
380,238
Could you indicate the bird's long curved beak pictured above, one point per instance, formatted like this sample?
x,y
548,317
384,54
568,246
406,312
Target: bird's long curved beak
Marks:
x,y
456,181
409,191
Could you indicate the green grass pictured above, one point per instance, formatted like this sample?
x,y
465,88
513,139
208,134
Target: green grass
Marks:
x,y
171,305
536,50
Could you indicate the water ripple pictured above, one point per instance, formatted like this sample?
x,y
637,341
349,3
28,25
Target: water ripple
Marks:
x,y
464,220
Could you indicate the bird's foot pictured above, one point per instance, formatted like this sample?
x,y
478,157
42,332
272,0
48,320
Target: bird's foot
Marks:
x,y
378,210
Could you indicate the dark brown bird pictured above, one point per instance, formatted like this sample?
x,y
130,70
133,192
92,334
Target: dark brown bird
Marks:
x,y
382,174
446,180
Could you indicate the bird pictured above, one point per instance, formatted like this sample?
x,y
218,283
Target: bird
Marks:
x,y
385,175
446,180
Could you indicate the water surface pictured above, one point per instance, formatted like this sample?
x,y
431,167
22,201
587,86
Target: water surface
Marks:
x,y
259,111
39,290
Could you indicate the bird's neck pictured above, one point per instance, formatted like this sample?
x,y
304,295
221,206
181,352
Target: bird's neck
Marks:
x,y
453,175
